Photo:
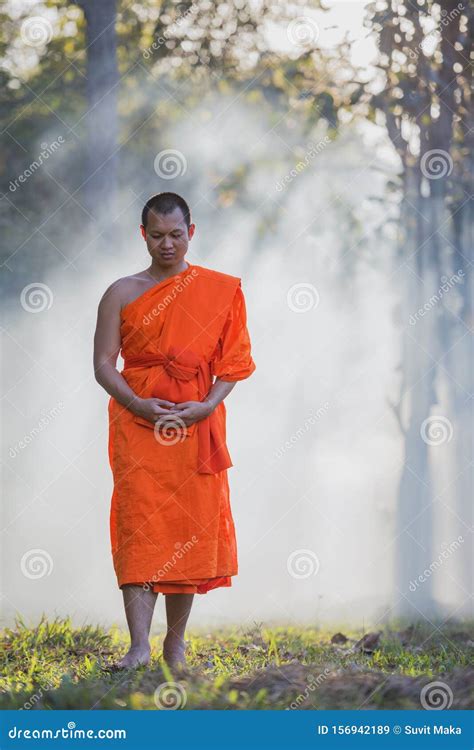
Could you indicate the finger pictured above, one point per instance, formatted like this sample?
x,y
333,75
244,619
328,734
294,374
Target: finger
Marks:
x,y
164,414
164,402
183,412
176,419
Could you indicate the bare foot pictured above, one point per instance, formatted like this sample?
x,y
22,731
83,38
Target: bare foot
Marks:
x,y
174,651
137,656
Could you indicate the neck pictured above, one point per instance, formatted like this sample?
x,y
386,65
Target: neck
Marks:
x,y
164,272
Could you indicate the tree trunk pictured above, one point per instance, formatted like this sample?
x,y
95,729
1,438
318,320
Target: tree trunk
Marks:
x,y
100,180
414,507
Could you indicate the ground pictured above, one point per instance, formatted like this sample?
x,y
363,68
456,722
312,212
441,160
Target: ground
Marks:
x,y
57,666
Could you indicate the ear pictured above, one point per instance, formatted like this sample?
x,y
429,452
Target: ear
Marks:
x,y
192,227
143,231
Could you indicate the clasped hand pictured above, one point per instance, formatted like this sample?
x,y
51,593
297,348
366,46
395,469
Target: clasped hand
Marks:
x,y
188,412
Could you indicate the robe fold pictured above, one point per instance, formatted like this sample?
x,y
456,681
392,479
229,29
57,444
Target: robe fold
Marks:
x,y
171,523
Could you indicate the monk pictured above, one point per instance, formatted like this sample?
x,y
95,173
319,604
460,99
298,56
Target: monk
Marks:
x,y
181,330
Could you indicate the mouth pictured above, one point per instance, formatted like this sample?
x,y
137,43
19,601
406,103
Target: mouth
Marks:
x,y
167,255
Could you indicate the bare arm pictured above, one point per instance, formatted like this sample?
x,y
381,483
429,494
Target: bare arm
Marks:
x,y
219,390
107,344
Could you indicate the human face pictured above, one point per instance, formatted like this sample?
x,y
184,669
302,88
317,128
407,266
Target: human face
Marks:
x,y
167,238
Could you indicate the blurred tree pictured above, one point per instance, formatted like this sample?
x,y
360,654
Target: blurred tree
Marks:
x,y
197,49
427,108
102,120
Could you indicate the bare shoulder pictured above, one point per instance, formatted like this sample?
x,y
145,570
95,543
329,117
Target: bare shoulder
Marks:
x,y
121,291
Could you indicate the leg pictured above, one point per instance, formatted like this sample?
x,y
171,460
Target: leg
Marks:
x,y
178,608
139,605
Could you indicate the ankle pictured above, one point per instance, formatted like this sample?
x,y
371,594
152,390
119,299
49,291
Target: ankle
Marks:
x,y
174,638
140,646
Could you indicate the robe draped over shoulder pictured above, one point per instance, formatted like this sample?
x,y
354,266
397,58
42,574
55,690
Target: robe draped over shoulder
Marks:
x,y
171,523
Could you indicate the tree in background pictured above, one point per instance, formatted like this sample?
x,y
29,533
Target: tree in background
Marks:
x,y
100,182
106,78
427,109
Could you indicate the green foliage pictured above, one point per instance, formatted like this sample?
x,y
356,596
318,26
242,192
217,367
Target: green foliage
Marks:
x,y
226,55
58,666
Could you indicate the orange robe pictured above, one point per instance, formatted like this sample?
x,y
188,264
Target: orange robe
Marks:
x,y
171,523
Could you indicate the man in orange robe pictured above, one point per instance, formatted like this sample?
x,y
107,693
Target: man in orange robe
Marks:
x,y
177,326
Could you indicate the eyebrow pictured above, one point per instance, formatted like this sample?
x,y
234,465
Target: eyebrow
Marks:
x,y
155,231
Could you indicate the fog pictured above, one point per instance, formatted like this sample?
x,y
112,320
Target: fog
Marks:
x,y
316,447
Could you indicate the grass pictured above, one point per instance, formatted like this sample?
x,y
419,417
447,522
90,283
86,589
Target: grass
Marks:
x,y
58,666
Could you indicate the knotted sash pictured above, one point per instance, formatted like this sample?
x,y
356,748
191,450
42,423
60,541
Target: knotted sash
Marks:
x,y
213,455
